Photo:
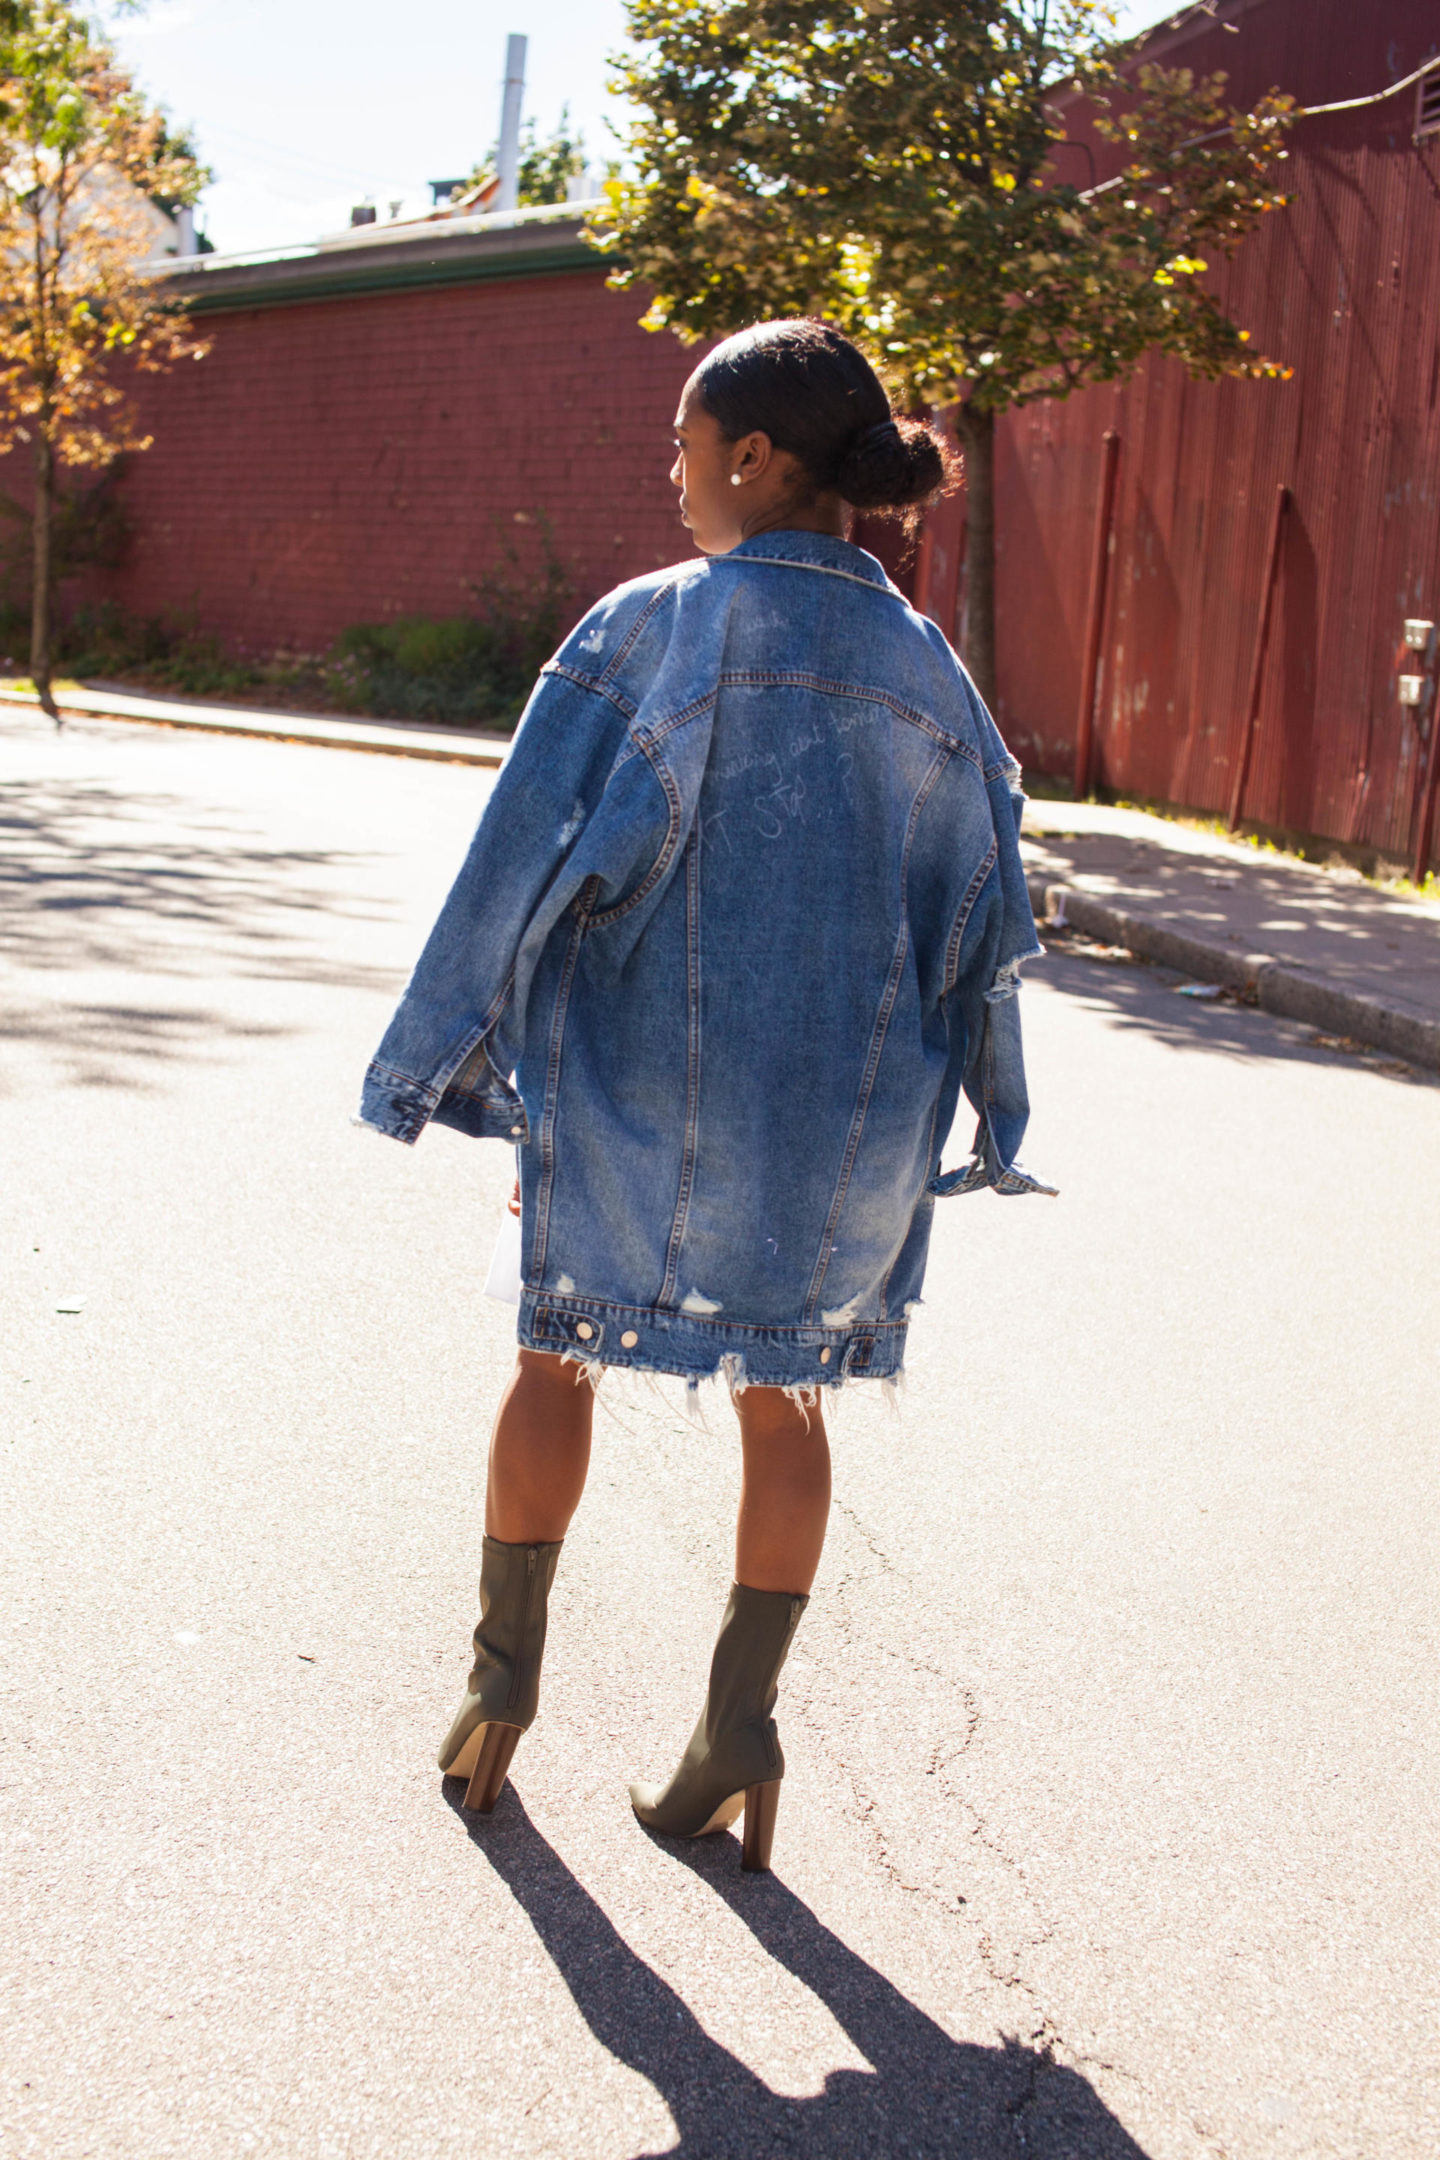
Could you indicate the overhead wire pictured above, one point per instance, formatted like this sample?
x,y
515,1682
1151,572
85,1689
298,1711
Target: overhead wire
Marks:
x,y
1301,112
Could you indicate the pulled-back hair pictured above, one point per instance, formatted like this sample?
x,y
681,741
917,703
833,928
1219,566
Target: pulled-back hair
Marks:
x,y
816,395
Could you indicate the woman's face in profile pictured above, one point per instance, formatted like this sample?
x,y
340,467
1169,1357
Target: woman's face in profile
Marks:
x,y
704,462
707,468
730,490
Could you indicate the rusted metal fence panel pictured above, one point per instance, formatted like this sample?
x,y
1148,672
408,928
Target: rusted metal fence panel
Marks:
x,y
1344,287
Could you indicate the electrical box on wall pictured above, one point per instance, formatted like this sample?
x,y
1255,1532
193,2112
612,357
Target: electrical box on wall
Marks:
x,y
1419,636
1414,689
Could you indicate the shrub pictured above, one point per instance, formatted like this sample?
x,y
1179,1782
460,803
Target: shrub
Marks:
x,y
472,670
103,640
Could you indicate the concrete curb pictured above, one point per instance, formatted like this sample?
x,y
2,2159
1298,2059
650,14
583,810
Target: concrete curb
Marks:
x,y
1287,992
391,738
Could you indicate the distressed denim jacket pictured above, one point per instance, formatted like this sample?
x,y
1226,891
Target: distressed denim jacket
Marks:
x,y
743,915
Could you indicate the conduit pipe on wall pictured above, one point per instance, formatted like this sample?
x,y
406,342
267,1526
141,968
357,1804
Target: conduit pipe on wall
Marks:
x,y
1099,592
1262,647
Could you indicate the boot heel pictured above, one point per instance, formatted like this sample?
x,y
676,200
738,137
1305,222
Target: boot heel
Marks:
x,y
491,1764
762,1803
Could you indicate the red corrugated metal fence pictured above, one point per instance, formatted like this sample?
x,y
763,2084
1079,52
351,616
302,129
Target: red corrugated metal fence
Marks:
x,y
1345,287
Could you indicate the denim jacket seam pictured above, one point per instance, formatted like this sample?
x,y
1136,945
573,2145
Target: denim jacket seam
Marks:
x,y
967,908
473,1042
641,738
575,1301
389,1072
788,562
878,1033
481,1041
593,683
931,1166
553,1060
657,730
598,920
626,646
630,748
801,678
681,1219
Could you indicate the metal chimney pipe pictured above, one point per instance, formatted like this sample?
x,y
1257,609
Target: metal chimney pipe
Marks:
x,y
185,231
508,159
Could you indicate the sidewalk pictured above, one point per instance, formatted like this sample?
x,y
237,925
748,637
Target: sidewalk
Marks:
x,y
1317,945
338,731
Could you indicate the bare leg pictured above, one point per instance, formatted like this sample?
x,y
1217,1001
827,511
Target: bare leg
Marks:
x,y
785,1491
539,1451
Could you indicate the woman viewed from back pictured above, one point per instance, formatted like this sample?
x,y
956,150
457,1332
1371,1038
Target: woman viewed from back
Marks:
x,y
742,917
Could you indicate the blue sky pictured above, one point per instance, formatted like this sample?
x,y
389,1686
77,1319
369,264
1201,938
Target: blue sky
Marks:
x,y
304,107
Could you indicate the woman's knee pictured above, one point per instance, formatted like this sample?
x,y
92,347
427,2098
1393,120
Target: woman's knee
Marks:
x,y
551,1389
781,1417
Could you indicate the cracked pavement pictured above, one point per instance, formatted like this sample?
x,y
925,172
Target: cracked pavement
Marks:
x,y
1110,1822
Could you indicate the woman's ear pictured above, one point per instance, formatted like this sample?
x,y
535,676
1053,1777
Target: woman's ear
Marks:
x,y
756,455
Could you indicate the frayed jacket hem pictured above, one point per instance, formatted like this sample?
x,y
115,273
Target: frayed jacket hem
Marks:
x,y
597,1332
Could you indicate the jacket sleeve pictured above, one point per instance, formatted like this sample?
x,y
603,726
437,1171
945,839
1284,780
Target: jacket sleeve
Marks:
x,y
459,1028
982,1002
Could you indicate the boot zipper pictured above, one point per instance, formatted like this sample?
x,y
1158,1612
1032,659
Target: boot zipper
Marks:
x,y
530,1559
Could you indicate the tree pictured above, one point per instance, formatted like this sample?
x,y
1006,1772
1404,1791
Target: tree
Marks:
x,y
547,168
547,165
83,161
896,166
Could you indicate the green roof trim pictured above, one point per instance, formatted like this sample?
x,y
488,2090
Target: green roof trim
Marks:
x,y
406,263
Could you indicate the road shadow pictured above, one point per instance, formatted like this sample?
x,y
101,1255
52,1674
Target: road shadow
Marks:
x,y
1137,995
926,2094
95,879
119,1046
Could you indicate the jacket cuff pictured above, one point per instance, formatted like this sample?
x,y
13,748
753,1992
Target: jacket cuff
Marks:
x,y
987,1168
484,1117
395,1106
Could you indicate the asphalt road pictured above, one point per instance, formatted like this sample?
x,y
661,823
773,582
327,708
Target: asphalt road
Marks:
x,y
1111,1822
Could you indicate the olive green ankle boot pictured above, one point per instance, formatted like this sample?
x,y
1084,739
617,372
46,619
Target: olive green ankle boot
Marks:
x,y
734,1757
504,1686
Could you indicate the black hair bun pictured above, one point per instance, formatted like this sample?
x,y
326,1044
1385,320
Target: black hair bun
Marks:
x,y
898,465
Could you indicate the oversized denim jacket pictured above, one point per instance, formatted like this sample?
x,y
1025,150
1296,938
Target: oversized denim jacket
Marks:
x,y
742,916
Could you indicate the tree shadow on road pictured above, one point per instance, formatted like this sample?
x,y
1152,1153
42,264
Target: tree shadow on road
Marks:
x,y
93,878
1137,996
926,2094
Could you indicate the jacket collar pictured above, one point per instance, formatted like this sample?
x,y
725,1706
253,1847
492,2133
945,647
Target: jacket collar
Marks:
x,y
809,551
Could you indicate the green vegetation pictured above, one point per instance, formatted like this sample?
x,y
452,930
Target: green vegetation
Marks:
x,y
901,168
103,640
547,163
547,167
474,670
83,161
456,670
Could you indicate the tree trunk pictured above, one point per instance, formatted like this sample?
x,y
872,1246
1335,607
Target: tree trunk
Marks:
x,y
977,430
40,609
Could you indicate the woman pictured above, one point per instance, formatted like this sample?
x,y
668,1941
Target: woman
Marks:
x,y
743,915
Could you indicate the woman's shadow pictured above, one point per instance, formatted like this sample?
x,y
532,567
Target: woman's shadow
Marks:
x,y
925,2095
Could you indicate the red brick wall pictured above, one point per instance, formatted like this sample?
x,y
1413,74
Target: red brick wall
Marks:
x,y
339,461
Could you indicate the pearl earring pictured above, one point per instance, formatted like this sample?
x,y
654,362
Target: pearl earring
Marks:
x,y
734,479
